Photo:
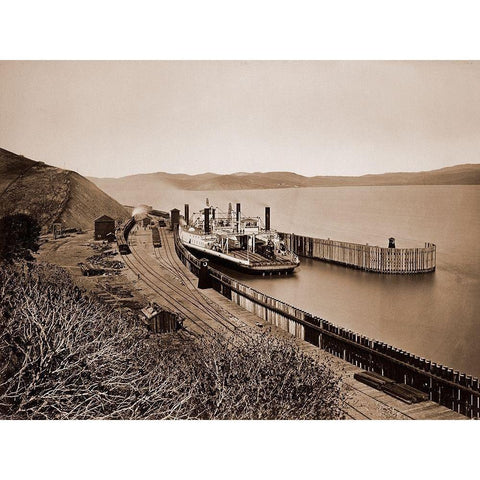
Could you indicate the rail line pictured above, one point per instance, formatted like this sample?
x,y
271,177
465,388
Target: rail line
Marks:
x,y
166,297
396,410
386,405
228,325
202,304
358,411
178,266
167,264
173,265
165,294
199,299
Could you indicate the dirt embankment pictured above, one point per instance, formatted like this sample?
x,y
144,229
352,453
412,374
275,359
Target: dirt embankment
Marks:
x,y
113,286
51,194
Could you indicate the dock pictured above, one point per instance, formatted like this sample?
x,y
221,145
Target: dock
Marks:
x,y
162,277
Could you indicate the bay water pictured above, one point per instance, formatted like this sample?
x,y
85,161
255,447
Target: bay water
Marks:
x,y
434,315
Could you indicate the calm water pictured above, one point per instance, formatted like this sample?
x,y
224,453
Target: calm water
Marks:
x,y
432,315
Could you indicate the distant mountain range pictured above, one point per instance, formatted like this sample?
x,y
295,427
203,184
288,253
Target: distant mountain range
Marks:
x,y
51,194
467,174
55,195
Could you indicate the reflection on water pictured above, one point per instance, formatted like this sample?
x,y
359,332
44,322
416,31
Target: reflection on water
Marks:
x,y
431,315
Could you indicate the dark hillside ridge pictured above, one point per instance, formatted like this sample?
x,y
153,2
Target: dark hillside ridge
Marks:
x,y
51,194
467,174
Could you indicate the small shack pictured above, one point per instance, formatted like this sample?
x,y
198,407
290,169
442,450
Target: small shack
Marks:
x,y
103,226
161,321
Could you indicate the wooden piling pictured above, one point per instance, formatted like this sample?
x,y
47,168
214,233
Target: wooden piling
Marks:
x,y
364,257
455,390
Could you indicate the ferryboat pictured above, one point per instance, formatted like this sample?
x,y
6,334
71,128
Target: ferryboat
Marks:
x,y
240,242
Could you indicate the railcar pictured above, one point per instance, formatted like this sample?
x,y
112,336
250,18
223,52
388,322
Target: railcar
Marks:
x,y
157,242
122,236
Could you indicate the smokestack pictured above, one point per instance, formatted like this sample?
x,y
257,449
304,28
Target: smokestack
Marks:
x,y
213,213
238,217
174,218
267,218
206,224
187,214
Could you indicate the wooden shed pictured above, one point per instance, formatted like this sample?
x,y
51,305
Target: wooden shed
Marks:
x,y
161,321
103,226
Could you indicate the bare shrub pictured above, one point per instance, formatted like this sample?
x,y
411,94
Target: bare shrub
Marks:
x,y
264,378
64,355
19,235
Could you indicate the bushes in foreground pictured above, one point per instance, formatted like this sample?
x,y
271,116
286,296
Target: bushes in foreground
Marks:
x,y
64,355
19,235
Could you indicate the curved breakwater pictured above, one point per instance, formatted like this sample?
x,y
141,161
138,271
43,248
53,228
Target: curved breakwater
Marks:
x,y
364,257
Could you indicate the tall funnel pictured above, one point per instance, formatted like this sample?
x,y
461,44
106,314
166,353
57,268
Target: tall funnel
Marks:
x,y
267,218
206,219
238,217
174,218
187,213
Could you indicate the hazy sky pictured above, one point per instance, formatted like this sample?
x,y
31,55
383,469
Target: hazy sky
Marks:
x,y
314,118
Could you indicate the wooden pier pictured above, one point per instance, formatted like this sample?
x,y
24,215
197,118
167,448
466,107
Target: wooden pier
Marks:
x,y
364,257
167,281
455,390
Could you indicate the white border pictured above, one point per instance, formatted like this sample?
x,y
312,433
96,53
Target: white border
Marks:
x,y
238,30
231,450
250,29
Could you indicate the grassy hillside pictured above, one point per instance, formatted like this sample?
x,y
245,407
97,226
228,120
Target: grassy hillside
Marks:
x,y
51,194
12,167
125,188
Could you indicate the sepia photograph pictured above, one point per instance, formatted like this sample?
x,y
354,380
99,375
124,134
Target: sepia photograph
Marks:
x,y
239,239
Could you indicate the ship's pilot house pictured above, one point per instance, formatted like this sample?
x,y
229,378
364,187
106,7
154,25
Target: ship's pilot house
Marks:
x,y
250,225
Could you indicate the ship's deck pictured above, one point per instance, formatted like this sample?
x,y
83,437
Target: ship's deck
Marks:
x,y
257,259
220,232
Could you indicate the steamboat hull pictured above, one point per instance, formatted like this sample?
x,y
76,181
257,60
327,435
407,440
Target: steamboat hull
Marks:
x,y
262,266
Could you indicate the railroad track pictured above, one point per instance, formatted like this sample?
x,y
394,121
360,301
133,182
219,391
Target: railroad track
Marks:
x,y
178,266
167,264
204,308
173,259
351,417
146,277
384,404
196,301
166,289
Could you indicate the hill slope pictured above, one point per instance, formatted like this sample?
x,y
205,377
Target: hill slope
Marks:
x,y
51,194
125,188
